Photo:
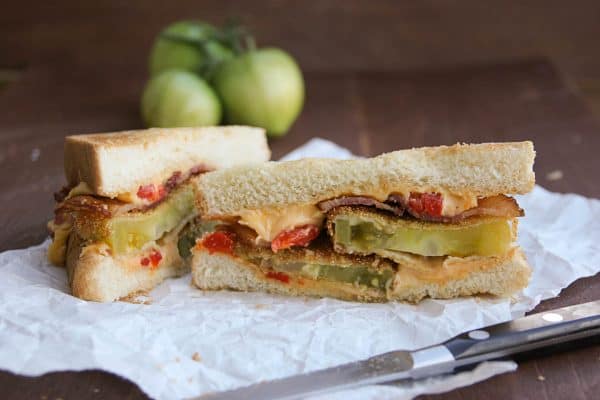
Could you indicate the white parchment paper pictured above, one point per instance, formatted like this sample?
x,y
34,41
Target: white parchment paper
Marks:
x,y
188,342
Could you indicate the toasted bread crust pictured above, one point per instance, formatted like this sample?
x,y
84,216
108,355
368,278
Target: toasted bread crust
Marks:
x,y
480,170
115,163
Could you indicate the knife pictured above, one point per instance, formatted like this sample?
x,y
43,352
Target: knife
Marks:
x,y
497,341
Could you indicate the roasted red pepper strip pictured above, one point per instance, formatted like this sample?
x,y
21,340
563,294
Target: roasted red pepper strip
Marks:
x,y
300,236
218,242
426,203
155,257
152,260
151,192
278,276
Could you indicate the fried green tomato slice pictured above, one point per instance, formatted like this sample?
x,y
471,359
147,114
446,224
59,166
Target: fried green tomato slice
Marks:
x,y
108,221
362,230
133,230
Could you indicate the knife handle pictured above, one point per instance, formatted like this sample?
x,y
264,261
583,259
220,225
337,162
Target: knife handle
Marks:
x,y
530,329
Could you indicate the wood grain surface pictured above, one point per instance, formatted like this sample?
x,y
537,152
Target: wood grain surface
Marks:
x,y
368,112
325,35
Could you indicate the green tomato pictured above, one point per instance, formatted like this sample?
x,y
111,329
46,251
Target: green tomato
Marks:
x,y
179,47
179,98
261,88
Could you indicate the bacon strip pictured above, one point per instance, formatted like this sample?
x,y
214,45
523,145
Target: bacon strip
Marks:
x,y
395,208
495,206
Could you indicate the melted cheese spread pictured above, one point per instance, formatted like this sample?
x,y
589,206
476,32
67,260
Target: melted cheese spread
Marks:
x,y
453,205
57,251
414,269
269,223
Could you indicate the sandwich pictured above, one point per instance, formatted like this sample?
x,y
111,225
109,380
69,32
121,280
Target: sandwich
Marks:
x,y
433,222
128,195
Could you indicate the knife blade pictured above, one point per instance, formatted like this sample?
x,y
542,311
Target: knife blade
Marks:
x,y
497,341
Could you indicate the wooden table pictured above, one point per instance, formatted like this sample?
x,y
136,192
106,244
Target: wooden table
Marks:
x,y
369,113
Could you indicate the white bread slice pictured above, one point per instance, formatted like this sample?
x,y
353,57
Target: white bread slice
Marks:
x,y
462,169
498,276
97,276
116,163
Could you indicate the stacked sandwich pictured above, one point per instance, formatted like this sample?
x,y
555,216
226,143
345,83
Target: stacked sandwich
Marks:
x,y
129,195
431,222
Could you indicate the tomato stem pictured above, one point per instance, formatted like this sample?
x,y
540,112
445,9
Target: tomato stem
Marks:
x,y
232,35
236,36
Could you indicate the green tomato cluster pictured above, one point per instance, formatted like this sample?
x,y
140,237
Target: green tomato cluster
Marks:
x,y
200,77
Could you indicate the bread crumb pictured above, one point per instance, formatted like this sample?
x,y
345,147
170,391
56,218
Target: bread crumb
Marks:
x,y
196,357
190,380
259,306
177,359
541,378
554,175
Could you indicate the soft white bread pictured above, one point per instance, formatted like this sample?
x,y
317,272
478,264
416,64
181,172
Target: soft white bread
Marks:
x,y
116,163
462,170
498,276
96,275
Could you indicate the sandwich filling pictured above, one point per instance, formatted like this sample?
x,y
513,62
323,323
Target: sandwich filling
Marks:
x,y
126,226
363,243
298,225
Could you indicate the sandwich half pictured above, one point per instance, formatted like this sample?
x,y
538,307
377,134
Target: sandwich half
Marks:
x,y
128,196
434,222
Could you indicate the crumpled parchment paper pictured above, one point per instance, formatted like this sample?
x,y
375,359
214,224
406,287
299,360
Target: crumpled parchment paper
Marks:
x,y
187,342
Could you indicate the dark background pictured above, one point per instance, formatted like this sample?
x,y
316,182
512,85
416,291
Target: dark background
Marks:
x,y
327,35
380,75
